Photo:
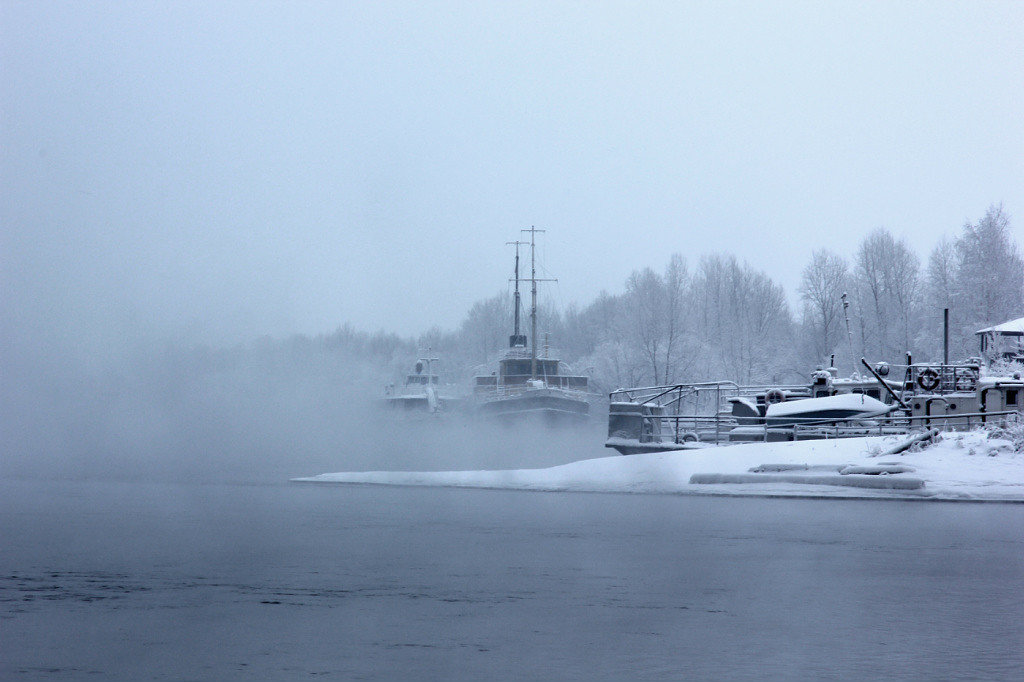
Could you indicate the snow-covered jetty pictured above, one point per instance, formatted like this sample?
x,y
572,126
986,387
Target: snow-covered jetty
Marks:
x,y
957,466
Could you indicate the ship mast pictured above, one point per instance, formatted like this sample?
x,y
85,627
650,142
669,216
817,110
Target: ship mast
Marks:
x,y
533,304
516,339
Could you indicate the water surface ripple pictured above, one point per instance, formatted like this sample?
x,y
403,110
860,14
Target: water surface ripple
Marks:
x,y
179,582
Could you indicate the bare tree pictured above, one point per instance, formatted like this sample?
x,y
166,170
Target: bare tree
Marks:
x,y
616,365
763,318
821,288
888,291
989,282
941,275
678,306
939,294
746,326
645,296
486,328
596,323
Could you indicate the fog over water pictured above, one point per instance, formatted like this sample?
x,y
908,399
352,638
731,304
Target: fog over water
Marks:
x,y
195,196
196,175
192,414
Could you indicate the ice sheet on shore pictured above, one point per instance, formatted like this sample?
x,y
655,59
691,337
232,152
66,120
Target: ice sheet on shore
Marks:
x,y
959,467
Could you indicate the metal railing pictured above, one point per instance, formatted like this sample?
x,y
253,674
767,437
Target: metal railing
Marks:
x,y
680,428
727,389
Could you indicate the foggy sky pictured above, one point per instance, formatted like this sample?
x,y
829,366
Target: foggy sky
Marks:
x,y
224,170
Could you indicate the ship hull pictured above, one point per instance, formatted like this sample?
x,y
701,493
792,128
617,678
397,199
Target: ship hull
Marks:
x,y
549,405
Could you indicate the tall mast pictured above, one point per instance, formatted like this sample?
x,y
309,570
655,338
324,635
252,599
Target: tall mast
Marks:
x,y
516,332
533,307
516,339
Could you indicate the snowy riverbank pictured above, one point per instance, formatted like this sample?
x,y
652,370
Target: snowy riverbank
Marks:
x,y
968,466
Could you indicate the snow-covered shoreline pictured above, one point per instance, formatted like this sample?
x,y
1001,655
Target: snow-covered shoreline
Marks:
x,y
960,467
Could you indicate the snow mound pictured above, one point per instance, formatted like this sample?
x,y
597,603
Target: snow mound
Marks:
x,y
851,402
965,466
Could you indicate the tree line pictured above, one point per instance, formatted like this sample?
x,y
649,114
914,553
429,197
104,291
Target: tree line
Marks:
x,y
718,318
197,408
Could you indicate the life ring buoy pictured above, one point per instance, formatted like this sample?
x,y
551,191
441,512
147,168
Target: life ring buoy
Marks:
x,y
928,379
774,396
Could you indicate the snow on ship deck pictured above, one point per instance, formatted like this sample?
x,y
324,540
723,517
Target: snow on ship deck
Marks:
x,y
961,466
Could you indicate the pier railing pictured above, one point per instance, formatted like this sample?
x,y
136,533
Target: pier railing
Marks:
x,y
658,427
677,393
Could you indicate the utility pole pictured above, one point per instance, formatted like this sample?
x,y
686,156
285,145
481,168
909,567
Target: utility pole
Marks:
x,y
849,334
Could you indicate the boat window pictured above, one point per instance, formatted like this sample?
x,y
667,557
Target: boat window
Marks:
x,y
1011,397
524,367
512,367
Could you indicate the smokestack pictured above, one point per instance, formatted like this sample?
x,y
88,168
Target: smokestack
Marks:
x,y
945,336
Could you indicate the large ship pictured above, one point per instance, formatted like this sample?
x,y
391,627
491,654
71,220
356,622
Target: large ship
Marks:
x,y
527,385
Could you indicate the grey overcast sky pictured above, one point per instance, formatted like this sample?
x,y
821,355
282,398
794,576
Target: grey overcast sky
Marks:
x,y
227,170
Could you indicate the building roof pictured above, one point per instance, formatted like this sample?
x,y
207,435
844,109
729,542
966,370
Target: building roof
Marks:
x,y
1011,328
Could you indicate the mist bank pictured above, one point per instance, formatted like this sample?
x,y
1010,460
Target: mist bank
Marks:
x,y
257,412
110,397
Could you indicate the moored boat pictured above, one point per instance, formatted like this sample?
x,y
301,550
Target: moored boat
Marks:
x,y
950,396
526,385
422,392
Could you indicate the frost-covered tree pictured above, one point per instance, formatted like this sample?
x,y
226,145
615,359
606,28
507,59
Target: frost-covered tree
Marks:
x,y
744,323
822,285
486,328
614,364
763,317
989,283
888,290
589,327
678,305
645,296
939,294
940,279
657,308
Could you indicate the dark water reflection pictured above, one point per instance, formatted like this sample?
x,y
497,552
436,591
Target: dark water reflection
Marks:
x,y
145,581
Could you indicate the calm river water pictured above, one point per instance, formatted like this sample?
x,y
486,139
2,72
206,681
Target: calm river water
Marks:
x,y
285,581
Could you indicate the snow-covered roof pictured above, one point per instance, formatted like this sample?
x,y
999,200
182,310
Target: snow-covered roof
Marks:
x,y
1011,327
